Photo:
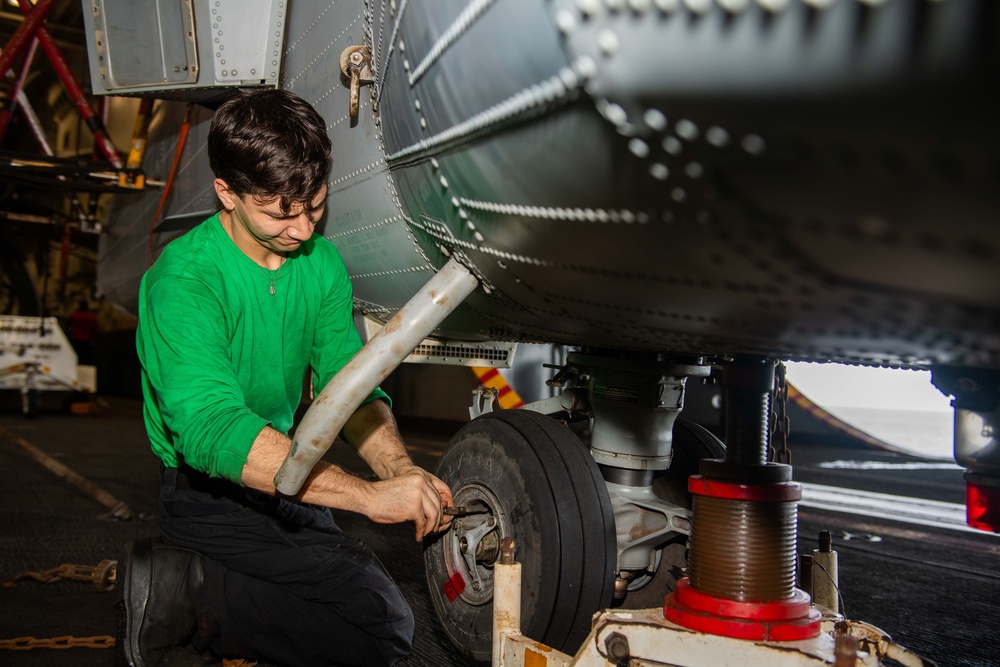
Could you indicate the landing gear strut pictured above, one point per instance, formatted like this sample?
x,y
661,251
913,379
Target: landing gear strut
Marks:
x,y
605,525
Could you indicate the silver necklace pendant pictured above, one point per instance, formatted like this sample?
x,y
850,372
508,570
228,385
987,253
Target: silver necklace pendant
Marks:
x,y
275,276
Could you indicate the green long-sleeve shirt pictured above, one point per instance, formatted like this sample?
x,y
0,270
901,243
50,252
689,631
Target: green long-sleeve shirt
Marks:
x,y
222,357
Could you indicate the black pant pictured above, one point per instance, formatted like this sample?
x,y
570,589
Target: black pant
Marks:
x,y
283,583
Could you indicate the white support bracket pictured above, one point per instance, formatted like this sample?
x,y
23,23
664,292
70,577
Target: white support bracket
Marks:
x,y
510,647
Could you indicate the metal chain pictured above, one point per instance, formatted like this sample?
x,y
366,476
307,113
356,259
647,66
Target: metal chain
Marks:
x,y
780,424
101,641
101,575
29,643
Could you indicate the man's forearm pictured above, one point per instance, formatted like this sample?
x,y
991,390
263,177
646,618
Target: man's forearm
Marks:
x,y
327,485
372,431
404,492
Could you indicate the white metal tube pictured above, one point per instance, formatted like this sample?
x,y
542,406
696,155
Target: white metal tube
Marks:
x,y
372,364
506,600
33,122
825,580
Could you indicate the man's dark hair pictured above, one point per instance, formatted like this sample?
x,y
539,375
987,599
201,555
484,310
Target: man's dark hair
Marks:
x,y
270,144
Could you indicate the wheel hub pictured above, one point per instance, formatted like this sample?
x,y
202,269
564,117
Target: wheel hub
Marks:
x,y
472,545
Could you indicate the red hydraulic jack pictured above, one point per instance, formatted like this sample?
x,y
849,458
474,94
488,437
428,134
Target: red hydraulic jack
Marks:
x,y
744,524
31,30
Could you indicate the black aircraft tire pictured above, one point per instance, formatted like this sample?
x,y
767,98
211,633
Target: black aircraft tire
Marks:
x,y
692,443
599,552
542,487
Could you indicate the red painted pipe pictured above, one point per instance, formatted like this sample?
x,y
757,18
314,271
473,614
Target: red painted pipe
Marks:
x,y
75,92
24,33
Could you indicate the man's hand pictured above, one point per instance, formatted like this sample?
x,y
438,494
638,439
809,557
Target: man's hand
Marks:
x,y
406,492
411,494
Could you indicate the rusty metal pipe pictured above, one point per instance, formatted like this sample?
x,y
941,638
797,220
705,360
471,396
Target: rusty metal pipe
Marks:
x,y
372,364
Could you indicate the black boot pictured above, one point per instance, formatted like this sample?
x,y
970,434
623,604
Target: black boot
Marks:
x,y
156,600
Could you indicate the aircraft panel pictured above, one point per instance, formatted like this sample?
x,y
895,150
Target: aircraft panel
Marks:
x,y
783,192
812,181
364,219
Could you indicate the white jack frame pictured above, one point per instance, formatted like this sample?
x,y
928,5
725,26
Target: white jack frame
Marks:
x,y
645,638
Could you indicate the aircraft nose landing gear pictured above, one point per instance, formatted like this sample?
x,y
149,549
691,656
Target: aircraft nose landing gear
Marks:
x,y
595,522
635,401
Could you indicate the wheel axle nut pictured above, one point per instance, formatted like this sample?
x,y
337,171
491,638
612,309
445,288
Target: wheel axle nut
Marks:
x,y
507,548
617,647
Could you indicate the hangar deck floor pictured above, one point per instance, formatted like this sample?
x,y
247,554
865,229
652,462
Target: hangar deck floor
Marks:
x,y
936,590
